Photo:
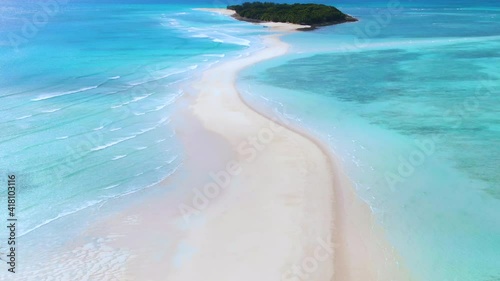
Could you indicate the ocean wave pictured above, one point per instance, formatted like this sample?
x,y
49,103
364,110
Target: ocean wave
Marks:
x,y
51,110
141,148
201,35
217,36
159,75
114,129
174,97
136,99
172,159
169,22
141,97
96,202
164,120
101,147
142,131
24,117
168,102
111,186
136,134
54,95
215,55
147,186
119,157
63,214
158,124
210,33
212,63
62,138
160,107
98,128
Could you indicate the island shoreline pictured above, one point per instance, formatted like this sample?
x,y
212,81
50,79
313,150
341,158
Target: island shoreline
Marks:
x,y
274,25
305,28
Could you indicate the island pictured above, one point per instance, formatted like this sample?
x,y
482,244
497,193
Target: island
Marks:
x,y
313,15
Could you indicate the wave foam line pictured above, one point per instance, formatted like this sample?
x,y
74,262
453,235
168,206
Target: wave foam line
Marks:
x,y
63,214
148,186
136,99
24,117
158,124
215,55
111,186
51,110
112,143
50,96
171,160
119,157
218,37
95,202
170,101
162,76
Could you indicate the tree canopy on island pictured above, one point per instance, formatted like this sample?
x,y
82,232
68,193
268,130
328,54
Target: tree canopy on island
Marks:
x,y
309,14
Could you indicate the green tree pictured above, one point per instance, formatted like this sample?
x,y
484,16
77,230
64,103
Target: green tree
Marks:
x,y
310,14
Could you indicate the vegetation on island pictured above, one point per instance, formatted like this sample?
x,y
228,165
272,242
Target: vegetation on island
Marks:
x,y
306,14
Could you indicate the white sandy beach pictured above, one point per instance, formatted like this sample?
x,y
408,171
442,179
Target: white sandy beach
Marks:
x,y
278,210
256,201
295,167
275,219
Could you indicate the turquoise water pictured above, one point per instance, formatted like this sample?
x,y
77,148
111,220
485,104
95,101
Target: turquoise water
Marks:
x,y
407,100
409,104
86,97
